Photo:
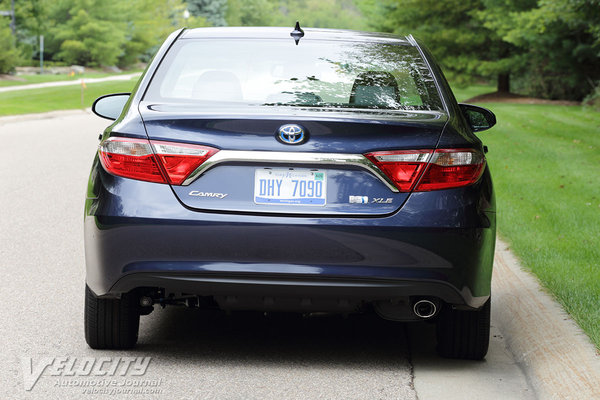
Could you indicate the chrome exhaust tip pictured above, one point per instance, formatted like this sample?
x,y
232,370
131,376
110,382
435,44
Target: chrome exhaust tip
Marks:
x,y
424,309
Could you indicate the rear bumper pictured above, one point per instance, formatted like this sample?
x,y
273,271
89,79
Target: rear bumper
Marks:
x,y
439,244
292,286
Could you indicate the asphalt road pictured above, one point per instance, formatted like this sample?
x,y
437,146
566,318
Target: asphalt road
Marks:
x,y
44,164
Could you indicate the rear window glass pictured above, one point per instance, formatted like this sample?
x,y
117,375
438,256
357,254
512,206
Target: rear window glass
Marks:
x,y
269,73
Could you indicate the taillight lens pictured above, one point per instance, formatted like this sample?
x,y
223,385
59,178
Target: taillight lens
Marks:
x,y
131,158
425,170
450,168
403,167
152,160
179,160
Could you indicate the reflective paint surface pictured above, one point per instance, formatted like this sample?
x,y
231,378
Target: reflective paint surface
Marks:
x,y
223,231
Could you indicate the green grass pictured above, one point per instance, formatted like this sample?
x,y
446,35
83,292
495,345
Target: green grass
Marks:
x,y
58,98
545,161
30,79
465,93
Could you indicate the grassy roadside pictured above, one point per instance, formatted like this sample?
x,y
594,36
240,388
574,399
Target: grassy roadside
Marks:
x,y
545,161
31,79
58,98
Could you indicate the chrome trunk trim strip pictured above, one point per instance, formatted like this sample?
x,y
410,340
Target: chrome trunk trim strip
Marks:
x,y
280,157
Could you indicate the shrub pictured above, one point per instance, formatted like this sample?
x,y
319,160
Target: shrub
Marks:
x,y
9,55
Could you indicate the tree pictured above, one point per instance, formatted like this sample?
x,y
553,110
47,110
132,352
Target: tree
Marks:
x,y
213,11
9,55
340,14
559,42
31,21
550,47
251,12
109,32
465,48
149,22
90,32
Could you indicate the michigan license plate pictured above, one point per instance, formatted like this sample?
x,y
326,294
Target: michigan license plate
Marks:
x,y
307,187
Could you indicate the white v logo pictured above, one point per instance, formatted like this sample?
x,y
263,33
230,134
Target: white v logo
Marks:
x,y
30,375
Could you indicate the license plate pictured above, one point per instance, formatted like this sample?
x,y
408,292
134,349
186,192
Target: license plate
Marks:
x,y
304,187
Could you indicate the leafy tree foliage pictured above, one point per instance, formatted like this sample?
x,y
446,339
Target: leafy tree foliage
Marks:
x,y
559,43
551,48
462,45
342,14
548,48
116,32
213,11
251,12
149,22
98,32
9,55
75,39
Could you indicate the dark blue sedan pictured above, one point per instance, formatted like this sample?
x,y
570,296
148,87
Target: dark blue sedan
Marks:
x,y
278,169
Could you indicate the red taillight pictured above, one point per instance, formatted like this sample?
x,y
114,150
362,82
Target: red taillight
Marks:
x,y
403,167
179,160
152,160
131,158
425,170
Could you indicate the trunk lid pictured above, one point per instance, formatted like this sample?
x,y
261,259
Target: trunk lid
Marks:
x,y
255,173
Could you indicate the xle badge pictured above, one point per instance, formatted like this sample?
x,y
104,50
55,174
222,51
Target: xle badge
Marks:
x,y
381,200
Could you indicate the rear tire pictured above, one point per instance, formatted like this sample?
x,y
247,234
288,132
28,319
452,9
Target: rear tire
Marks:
x,y
111,323
464,334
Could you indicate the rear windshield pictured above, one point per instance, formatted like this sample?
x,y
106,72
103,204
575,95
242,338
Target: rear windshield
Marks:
x,y
270,73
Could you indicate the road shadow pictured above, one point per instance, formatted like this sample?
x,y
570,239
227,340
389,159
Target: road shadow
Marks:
x,y
361,341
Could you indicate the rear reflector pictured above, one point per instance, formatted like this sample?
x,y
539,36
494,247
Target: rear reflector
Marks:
x,y
426,170
152,161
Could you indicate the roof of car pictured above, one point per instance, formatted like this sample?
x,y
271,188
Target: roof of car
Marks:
x,y
284,33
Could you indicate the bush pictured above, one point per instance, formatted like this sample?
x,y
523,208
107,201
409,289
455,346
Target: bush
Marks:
x,y
9,55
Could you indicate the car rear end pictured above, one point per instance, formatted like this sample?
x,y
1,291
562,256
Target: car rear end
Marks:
x,y
333,175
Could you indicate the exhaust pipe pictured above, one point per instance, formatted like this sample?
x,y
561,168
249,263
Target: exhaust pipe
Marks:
x,y
424,308
146,301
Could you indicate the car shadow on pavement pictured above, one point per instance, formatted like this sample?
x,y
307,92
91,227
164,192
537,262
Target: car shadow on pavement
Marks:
x,y
360,352
200,335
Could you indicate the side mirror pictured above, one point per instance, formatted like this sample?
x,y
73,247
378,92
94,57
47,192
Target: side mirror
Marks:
x,y
110,105
479,118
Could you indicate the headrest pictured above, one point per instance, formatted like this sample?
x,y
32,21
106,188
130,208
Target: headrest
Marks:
x,y
375,89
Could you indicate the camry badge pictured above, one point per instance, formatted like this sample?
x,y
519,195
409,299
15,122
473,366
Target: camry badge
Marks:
x,y
291,134
198,193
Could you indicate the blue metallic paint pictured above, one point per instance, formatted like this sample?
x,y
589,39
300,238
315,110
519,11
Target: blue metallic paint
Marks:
x,y
328,133
439,243
444,237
